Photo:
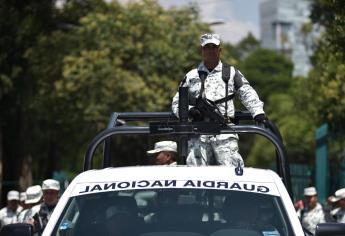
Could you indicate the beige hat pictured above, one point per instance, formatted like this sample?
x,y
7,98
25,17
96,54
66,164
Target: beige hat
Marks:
x,y
310,191
22,196
333,199
13,195
209,38
340,193
168,146
33,194
51,184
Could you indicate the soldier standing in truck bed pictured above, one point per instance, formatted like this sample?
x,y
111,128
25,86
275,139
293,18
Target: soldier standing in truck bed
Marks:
x,y
219,83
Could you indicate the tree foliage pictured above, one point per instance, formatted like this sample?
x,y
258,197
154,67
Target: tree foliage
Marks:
x,y
247,45
95,59
67,69
267,71
327,77
285,104
326,81
20,24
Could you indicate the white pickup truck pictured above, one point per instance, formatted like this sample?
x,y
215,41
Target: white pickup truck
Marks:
x,y
177,200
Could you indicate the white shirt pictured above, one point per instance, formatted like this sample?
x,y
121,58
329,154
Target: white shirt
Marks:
x,y
7,216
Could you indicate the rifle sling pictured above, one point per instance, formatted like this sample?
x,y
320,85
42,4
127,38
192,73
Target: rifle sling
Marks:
x,y
225,99
225,76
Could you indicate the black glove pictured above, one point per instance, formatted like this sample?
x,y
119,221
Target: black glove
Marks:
x,y
261,119
194,114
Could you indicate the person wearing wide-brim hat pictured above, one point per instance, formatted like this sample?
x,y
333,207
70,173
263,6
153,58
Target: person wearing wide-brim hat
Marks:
x,y
22,197
339,213
33,199
313,213
330,208
164,153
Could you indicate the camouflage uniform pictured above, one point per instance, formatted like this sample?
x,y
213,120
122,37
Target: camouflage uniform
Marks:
x,y
21,215
7,216
28,214
42,216
218,149
310,218
339,215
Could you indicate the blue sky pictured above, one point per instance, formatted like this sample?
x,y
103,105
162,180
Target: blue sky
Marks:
x,y
239,16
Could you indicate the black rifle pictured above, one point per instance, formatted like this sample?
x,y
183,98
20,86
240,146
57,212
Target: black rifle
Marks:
x,y
204,109
209,111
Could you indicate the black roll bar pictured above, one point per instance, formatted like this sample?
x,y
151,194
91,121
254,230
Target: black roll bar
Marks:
x,y
191,128
166,123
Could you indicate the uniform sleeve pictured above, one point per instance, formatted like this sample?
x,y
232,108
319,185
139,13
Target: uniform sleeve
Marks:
x,y
323,216
174,104
249,97
175,101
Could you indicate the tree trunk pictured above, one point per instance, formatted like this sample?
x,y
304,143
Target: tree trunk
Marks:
x,y
1,151
25,178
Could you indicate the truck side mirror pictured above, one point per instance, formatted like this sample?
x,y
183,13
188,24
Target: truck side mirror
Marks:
x,y
330,229
18,229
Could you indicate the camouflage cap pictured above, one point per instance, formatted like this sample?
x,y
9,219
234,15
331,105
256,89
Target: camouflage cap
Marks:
x,y
209,38
12,195
51,184
310,191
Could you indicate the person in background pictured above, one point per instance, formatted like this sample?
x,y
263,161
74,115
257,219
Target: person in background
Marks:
x,y
164,153
8,214
299,206
339,213
33,199
313,212
22,205
330,208
51,189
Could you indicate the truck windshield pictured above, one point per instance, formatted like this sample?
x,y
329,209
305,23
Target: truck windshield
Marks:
x,y
180,212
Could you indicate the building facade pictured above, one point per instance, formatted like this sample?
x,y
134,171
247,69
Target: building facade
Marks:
x,y
286,28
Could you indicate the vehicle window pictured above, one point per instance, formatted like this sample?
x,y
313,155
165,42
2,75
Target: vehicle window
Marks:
x,y
183,212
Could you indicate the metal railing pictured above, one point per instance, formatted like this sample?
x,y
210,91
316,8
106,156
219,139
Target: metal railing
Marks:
x,y
166,123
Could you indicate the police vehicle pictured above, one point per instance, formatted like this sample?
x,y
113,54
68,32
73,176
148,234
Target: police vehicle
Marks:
x,y
177,200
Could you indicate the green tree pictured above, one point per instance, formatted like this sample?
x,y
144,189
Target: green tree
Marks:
x,y
116,58
267,71
247,45
326,82
290,111
20,24
327,77
286,104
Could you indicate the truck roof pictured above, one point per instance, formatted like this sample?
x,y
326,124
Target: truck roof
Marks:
x,y
169,172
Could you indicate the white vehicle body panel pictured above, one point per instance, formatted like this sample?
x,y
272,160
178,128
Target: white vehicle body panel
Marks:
x,y
138,177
